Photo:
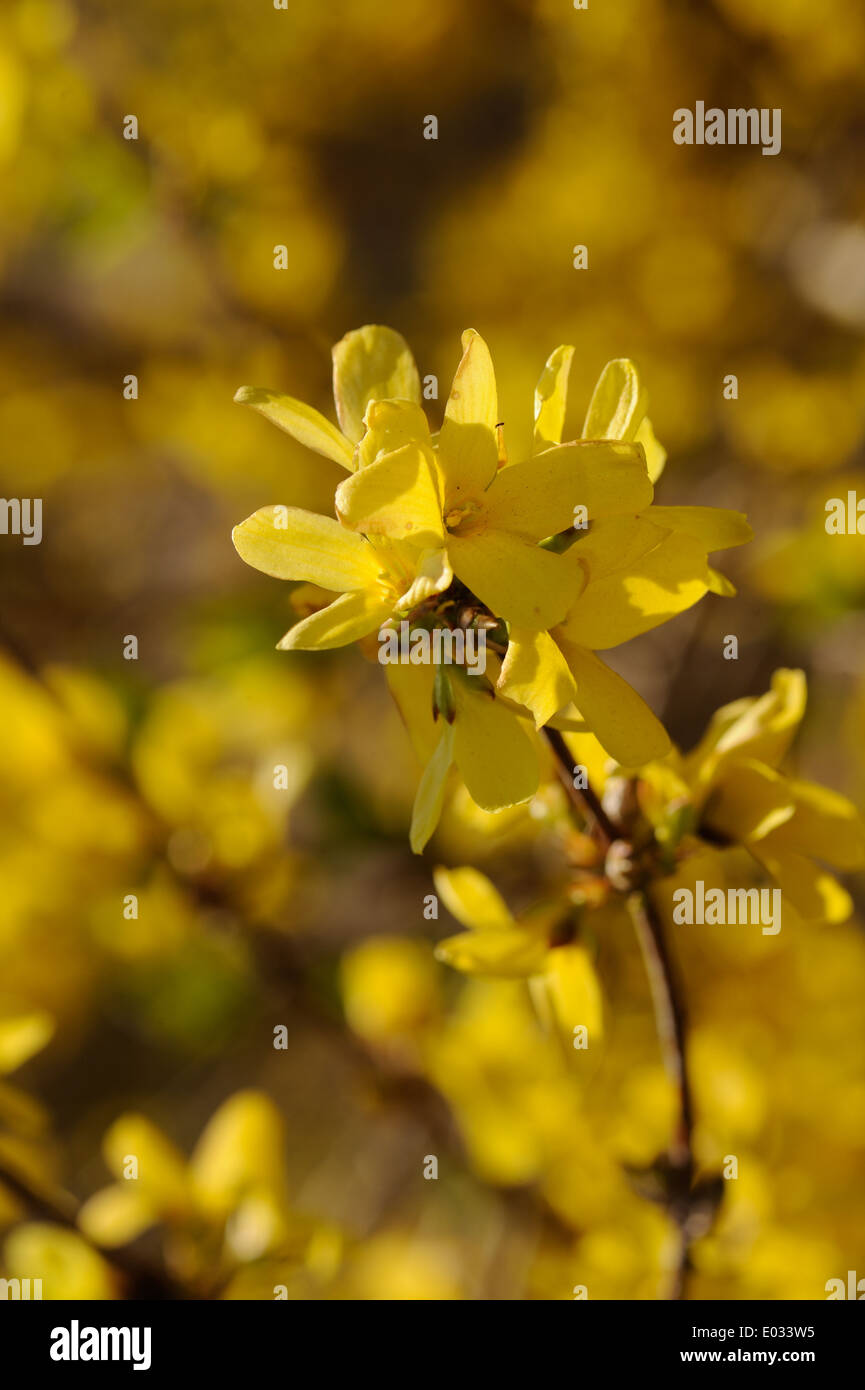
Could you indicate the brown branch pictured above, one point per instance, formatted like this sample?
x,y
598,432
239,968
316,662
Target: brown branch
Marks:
x,y
671,1023
583,798
669,1009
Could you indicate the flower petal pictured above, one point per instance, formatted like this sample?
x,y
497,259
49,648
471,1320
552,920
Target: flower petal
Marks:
x,y
619,717
434,575
551,397
720,584
513,954
747,801
528,586
429,800
117,1214
308,426
535,674
757,727
469,896
495,756
715,528
825,826
389,425
468,450
412,691
396,496
372,363
161,1167
815,894
574,991
538,498
614,543
347,619
289,543
618,405
656,454
240,1149
669,578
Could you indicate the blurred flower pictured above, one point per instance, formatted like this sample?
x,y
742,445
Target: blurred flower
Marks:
x,y
540,947
728,792
228,1204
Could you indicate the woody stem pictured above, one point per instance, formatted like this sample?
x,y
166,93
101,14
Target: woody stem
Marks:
x,y
667,1002
583,798
670,1023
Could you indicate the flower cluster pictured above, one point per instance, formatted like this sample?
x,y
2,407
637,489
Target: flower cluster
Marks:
x,y
555,557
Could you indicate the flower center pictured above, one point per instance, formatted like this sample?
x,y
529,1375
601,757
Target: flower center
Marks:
x,y
463,517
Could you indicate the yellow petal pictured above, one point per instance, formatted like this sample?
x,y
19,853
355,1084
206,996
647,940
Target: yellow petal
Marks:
x,y
574,991
715,527
669,578
117,1215
430,796
396,496
499,954
527,586
241,1146
494,754
390,425
619,717
161,1168
309,427
347,619
757,727
747,801
469,896
618,404
656,454
65,1263
468,449
824,826
538,498
551,397
433,576
815,894
23,1032
372,363
720,584
535,674
412,690
613,544
289,543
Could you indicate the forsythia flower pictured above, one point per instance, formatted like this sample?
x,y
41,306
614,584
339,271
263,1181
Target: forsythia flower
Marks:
x,y
234,1182
552,558
536,947
729,792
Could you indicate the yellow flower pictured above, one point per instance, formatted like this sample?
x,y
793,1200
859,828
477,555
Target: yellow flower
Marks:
x,y
630,573
233,1183
489,518
376,578
734,794
535,947
563,553
64,1263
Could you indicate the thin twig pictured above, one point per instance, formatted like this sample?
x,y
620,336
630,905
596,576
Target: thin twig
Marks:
x,y
669,1009
671,1024
583,798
